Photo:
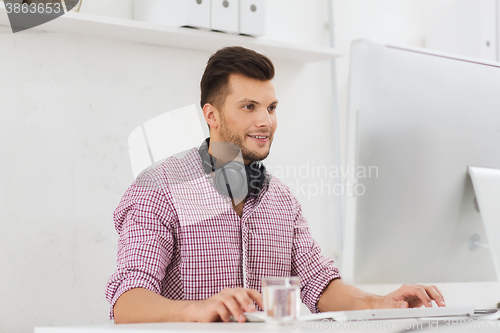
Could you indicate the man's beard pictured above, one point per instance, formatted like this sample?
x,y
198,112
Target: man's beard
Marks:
x,y
229,136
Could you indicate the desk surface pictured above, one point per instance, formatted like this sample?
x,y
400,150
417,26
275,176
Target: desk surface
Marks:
x,y
232,327
408,325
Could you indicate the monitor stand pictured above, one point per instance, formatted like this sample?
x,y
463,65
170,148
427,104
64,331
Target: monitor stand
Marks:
x,y
486,184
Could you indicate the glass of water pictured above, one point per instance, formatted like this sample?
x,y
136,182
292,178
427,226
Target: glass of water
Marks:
x,y
281,299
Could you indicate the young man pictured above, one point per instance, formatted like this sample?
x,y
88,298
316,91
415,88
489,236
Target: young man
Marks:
x,y
186,252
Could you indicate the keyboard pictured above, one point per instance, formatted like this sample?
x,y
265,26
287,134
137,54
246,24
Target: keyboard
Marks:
x,y
384,314
378,314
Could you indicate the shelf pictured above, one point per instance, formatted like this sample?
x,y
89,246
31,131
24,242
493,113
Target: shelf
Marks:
x,y
176,37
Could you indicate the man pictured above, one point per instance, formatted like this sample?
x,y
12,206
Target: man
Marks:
x,y
188,253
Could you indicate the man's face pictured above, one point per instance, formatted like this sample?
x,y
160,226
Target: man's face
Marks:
x,y
248,117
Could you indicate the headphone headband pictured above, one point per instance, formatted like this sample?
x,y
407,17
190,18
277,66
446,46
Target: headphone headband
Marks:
x,y
234,179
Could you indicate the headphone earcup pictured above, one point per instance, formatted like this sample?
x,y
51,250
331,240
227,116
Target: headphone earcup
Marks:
x,y
234,179
231,180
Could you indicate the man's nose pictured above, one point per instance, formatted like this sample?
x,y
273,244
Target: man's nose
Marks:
x,y
264,119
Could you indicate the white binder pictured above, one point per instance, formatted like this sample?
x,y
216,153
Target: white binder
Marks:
x,y
253,17
225,15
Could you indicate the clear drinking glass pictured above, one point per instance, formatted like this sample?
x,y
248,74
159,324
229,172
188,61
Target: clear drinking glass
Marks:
x,y
281,299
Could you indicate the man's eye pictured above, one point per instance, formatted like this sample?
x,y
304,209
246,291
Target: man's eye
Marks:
x,y
248,107
271,108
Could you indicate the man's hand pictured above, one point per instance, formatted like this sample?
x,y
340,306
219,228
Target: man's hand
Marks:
x,y
340,296
411,296
229,302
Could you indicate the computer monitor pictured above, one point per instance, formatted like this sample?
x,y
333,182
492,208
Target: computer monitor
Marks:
x,y
417,120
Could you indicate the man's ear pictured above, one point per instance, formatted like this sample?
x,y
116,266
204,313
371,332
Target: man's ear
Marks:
x,y
211,115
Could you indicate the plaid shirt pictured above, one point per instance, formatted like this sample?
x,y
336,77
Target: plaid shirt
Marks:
x,y
180,238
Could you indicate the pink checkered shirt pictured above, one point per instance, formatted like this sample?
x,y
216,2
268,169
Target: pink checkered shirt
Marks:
x,y
180,238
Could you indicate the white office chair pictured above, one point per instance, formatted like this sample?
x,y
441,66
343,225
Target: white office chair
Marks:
x,y
169,134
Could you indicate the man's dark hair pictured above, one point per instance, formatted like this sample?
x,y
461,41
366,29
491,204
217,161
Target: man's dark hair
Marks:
x,y
231,60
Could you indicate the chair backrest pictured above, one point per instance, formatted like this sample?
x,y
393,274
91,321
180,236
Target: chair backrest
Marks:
x,y
168,134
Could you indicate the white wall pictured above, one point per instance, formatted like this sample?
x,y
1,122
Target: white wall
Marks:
x,y
466,27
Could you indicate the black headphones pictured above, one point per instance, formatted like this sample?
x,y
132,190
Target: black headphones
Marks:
x,y
234,179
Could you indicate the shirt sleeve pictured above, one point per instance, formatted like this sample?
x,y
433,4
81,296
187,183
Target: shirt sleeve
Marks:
x,y
314,269
145,243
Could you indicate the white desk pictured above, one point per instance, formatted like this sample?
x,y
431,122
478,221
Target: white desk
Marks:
x,y
325,326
